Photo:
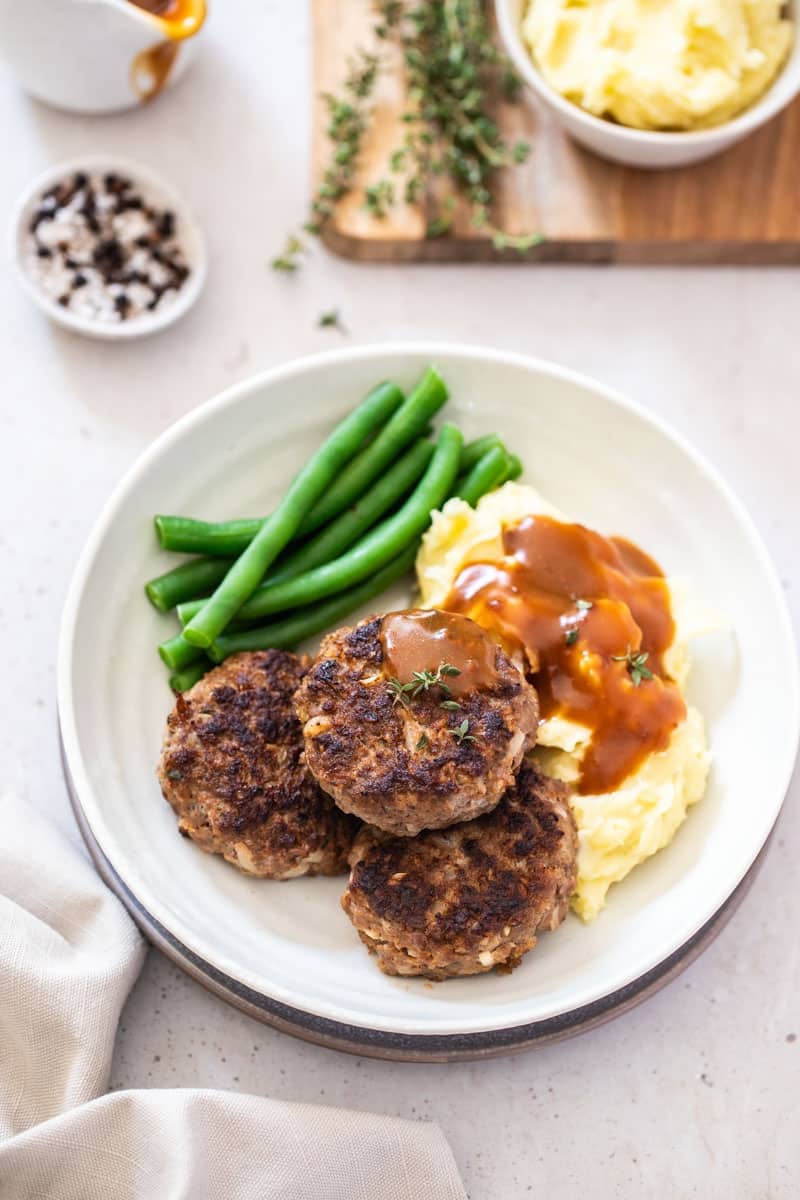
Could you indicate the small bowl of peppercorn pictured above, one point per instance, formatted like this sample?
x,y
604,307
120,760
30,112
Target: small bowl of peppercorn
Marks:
x,y
107,249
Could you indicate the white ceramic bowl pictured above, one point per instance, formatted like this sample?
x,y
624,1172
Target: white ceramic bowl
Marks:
x,y
278,947
637,147
155,189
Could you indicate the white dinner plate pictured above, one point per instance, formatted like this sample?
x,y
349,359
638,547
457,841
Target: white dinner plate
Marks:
x,y
286,951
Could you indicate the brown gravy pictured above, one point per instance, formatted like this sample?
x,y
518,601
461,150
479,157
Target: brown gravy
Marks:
x,y
151,69
425,639
576,603
175,20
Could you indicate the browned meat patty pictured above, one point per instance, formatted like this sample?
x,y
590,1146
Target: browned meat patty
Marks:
x,y
233,768
411,762
464,900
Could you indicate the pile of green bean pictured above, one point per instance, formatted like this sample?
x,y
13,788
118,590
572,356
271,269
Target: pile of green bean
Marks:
x,y
348,527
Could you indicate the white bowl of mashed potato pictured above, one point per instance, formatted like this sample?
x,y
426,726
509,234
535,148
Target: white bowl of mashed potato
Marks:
x,y
656,85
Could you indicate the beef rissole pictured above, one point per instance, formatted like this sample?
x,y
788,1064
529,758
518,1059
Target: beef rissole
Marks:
x,y
463,900
233,768
415,720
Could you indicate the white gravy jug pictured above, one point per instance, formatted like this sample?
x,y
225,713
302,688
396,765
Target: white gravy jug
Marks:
x,y
96,56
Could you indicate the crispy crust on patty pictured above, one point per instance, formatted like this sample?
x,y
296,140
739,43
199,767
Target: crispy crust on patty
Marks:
x,y
233,768
464,900
402,768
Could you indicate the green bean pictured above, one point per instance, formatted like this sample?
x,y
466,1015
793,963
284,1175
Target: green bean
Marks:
x,y
516,467
474,450
348,527
225,539
228,539
480,486
181,681
404,427
376,548
177,653
305,622
484,476
189,609
194,578
278,529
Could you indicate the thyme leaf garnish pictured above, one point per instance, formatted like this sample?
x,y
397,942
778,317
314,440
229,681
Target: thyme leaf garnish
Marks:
x,y
425,680
399,691
462,734
635,662
422,681
331,320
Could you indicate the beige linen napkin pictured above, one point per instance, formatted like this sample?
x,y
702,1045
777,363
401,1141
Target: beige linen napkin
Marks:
x,y
69,955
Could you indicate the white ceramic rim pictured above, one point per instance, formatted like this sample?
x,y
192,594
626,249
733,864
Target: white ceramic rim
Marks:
x,y
138,326
150,902
764,109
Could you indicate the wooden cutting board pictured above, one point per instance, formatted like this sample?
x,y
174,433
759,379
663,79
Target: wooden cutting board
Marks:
x,y
741,207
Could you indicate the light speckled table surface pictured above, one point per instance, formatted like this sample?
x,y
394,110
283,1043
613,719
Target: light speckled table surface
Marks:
x,y
693,1094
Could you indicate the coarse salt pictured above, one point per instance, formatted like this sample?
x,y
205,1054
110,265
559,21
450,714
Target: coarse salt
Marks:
x,y
97,247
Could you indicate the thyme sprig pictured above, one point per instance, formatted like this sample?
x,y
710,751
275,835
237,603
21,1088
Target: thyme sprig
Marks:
x,y
399,692
290,258
348,119
635,662
425,680
348,115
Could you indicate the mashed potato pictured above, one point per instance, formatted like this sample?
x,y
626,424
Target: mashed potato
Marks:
x,y
617,829
659,64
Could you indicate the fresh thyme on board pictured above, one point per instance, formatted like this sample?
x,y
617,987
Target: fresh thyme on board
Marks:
x,y
451,66
450,62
